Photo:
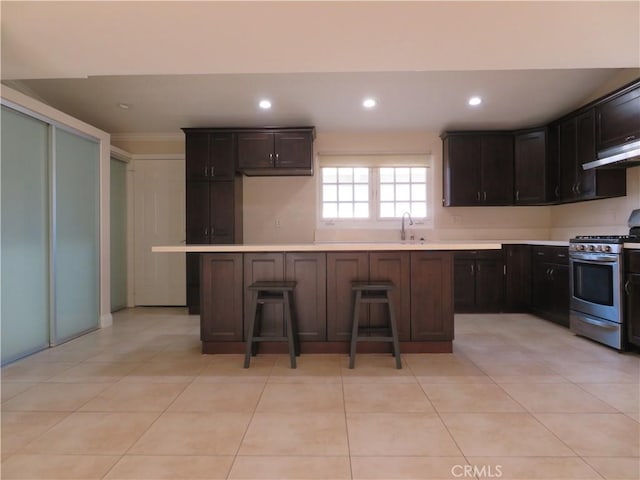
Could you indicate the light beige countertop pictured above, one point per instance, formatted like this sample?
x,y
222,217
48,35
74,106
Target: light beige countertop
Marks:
x,y
632,246
332,247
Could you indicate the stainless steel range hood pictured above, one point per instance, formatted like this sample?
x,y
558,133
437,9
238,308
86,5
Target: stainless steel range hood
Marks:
x,y
622,156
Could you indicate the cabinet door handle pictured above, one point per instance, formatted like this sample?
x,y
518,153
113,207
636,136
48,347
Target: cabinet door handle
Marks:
x,y
206,171
517,195
557,191
504,269
271,157
277,156
627,287
484,196
551,272
630,137
472,270
206,231
573,188
213,171
540,254
478,268
478,196
578,189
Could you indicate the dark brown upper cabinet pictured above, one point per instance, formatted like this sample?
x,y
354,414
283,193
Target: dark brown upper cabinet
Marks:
x,y
211,156
276,151
478,169
618,119
577,146
535,172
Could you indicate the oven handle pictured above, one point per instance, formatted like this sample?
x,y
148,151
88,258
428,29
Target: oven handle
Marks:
x,y
591,258
597,323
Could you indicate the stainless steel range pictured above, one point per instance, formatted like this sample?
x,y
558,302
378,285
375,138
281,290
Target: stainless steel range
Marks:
x,y
596,285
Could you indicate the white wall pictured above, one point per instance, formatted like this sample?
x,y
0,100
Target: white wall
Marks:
x,y
292,200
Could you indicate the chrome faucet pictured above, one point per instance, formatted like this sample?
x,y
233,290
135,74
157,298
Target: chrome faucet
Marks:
x,y
403,233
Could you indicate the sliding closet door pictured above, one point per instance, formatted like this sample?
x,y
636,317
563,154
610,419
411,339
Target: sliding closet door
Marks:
x,y
76,227
24,243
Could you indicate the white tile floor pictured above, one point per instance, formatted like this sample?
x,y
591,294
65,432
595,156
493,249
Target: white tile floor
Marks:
x,y
520,398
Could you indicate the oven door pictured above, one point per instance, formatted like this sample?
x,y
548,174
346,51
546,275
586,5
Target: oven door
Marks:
x,y
596,285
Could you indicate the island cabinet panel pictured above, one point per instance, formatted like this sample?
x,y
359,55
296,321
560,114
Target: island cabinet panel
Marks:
x,y
264,266
221,301
394,267
309,271
431,296
342,269
517,259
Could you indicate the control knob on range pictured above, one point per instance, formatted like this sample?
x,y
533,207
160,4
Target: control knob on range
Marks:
x,y
580,247
592,248
606,248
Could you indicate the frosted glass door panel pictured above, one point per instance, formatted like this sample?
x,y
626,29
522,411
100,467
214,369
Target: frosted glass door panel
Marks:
x,y
118,234
25,242
76,249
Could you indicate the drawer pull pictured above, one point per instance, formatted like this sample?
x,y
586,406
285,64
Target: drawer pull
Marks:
x,y
630,137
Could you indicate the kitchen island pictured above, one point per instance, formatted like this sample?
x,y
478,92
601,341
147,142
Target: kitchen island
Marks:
x,y
423,296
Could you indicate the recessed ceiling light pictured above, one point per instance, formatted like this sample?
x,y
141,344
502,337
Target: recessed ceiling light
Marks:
x,y
369,103
124,106
475,101
264,104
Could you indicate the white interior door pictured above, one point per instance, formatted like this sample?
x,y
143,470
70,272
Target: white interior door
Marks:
x,y
159,219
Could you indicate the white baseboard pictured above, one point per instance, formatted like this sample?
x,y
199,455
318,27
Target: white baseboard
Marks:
x,y
106,320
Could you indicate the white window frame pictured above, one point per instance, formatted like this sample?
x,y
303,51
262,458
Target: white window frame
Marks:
x,y
374,163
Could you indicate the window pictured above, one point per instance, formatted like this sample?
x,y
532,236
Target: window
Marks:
x,y
369,192
403,189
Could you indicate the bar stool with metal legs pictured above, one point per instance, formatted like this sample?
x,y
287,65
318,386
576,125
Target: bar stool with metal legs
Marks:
x,y
373,292
278,292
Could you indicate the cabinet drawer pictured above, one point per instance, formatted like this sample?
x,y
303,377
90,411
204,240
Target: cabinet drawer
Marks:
x,y
550,254
478,255
632,261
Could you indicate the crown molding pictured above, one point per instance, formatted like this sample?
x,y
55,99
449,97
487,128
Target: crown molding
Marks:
x,y
148,137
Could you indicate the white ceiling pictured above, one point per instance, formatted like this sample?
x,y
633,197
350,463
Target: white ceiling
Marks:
x,y
182,64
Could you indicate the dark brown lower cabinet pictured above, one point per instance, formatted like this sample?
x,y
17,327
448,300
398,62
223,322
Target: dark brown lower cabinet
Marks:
x,y
264,266
309,269
342,269
431,296
346,267
550,284
221,303
632,287
517,289
478,281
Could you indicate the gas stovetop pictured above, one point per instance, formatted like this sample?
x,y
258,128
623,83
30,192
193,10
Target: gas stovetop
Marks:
x,y
605,239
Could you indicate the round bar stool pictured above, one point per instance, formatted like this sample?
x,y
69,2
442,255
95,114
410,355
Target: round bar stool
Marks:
x,y
278,292
373,292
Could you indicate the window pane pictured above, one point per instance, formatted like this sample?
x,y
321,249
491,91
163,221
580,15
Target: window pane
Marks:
x,y
402,207
345,210
418,209
345,175
387,210
387,193
345,193
329,210
329,175
418,192
403,192
330,193
418,174
361,175
386,175
403,175
361,210
361,193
